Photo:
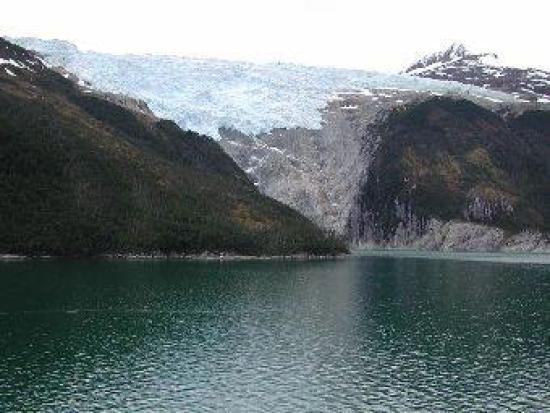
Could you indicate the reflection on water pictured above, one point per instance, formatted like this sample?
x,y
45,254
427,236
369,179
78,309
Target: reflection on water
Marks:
x,y
352,334
497,257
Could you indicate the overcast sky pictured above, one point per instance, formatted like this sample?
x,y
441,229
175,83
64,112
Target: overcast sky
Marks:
x,y
381,34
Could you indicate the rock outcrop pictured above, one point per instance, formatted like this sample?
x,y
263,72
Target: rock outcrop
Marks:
x,y
467,236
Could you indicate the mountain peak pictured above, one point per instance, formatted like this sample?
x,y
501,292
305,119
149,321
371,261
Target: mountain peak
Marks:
x,y
458,64
454,53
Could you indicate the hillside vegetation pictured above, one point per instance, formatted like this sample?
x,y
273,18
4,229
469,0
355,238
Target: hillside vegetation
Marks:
x,y
453,160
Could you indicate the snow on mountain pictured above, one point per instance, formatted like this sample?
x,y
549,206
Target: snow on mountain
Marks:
x,y
13,60
484,70
205,94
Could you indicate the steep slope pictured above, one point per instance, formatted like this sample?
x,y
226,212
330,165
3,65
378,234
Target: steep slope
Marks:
x,y
445,160
80,174
484,70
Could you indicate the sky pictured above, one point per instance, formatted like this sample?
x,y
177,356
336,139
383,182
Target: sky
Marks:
x,y
384,35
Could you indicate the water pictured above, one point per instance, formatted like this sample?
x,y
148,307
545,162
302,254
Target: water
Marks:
x,y
396,332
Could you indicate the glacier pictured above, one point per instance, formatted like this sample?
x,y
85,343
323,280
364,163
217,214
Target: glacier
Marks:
x,y
205,95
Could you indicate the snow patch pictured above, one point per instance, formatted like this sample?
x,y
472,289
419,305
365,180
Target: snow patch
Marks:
x,y
490,99
12,62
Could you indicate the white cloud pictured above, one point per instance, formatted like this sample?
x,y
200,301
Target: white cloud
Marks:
x,y
383,35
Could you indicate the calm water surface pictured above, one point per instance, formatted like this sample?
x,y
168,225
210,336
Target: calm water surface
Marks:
x,y
380,332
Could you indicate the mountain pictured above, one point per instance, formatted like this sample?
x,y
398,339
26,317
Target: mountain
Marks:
x,y
313,138
85,173
483,70
450,162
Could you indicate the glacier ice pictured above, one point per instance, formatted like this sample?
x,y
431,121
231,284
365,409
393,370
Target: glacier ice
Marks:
x,y
207,94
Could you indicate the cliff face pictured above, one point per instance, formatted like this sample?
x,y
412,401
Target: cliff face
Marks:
x,y
314,171
448,170
83,173
319,171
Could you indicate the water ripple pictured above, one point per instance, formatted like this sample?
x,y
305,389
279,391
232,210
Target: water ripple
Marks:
x,y
364,334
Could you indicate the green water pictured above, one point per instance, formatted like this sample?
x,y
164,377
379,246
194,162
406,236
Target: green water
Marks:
x,y
389,332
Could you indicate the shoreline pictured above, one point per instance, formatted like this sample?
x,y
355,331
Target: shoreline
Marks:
x,y
176,257
216,257
226,257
